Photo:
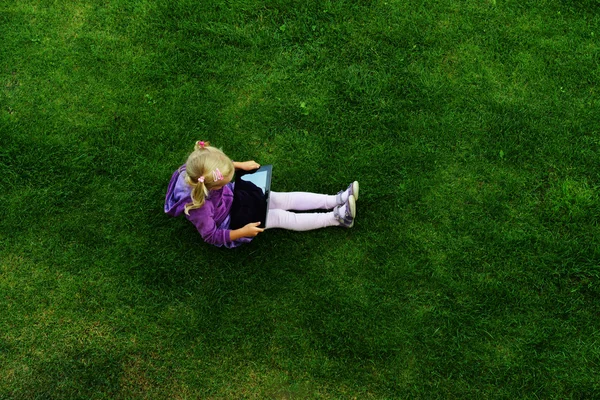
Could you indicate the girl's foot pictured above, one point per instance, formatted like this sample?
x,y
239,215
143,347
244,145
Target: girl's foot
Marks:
x,y
343,195
346,213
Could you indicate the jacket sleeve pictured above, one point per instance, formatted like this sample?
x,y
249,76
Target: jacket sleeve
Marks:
x,y
204,222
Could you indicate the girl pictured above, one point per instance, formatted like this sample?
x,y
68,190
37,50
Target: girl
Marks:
x,y
202,190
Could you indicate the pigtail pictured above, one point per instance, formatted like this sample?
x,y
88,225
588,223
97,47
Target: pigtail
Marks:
x,y
199,193
201,145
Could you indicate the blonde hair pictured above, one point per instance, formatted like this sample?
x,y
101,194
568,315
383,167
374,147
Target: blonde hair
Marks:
x,y
200,167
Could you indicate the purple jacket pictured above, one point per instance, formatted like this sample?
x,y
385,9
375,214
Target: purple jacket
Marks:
x,y
212,219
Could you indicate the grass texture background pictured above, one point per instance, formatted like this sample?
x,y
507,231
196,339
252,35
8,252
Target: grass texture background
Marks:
x,y
472,270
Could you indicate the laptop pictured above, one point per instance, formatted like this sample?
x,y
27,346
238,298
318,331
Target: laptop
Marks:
x,y
251,197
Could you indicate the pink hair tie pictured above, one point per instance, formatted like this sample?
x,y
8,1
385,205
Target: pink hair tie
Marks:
x,y
201,144
217,176
201,179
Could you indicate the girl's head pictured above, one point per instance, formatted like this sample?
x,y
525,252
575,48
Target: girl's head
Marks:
x,y
208,168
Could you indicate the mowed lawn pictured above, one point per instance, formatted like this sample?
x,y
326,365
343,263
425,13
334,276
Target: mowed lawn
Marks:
x,y
473,270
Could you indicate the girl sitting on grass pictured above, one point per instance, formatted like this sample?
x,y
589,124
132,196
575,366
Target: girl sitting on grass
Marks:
x,y
202,190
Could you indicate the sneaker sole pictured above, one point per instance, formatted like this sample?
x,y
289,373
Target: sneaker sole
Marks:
x,y
352,204
355,189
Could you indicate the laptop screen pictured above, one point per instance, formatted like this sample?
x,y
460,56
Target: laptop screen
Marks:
x,y
259,178
247,206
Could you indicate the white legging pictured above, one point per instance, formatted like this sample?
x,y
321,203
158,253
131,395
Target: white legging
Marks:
x,y
279,215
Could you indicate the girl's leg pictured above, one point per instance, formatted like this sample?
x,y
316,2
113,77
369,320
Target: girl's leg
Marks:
x,y
299,221
301,201
279,217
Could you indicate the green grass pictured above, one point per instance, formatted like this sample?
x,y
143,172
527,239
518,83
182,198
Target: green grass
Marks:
x,y
473,268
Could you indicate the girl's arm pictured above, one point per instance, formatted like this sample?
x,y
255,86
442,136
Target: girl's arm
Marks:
x,y
246,165
250,230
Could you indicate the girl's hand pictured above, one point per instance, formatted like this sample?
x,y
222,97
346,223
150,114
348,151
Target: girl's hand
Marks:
x,y
247,165
252,229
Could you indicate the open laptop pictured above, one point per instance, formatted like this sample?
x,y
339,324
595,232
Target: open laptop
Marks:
x,y
251,197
